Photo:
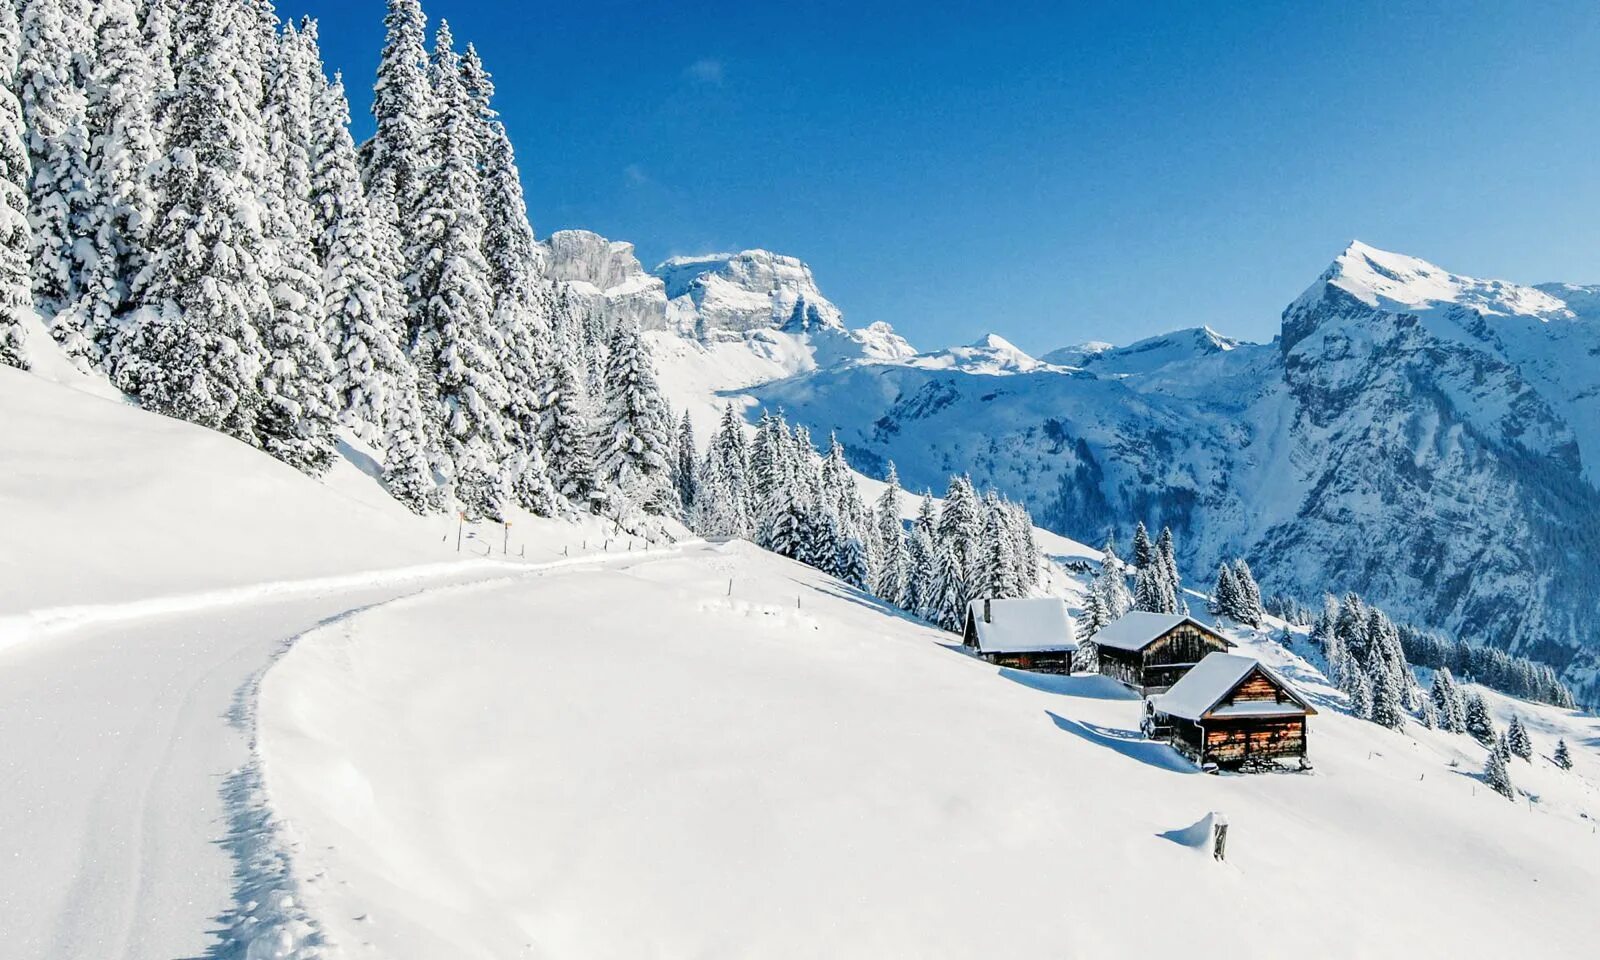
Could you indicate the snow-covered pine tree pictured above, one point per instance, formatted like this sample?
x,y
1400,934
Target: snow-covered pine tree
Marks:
x,y
892,578
850,562
195,351
397,157
1225,594
297,420
1502,747
56,42
359,288
1386,706
120,126
949,607
1359,688
960,527
157,20
1478,721
1563,756
996,570
922,573
1143,552
1498,776
1518,740
407,466
1152,591
1094,614
636,448
1112,581
1249,609
730,513
1167,559
686,466
1445,697
571,448
16,295
1428,714
457,349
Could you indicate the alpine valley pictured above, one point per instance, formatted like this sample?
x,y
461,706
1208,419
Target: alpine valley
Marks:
x,y
1423,438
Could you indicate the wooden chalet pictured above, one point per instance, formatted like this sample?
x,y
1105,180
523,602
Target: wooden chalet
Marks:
x,y
1151,651
1032,633
1231,710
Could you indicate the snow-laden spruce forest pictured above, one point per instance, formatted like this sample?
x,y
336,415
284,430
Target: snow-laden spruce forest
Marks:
x,y
382,579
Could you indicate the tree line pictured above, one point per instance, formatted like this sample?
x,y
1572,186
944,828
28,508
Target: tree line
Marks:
x,y
778,490
183,206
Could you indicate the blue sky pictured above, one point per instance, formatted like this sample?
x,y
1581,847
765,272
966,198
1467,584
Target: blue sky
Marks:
x,y
1051,172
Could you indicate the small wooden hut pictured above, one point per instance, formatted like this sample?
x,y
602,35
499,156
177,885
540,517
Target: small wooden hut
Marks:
x,y
1032,633
1151,651
1231,710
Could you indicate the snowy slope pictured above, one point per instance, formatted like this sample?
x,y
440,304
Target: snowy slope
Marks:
x,y
790,771
1424,438
106,504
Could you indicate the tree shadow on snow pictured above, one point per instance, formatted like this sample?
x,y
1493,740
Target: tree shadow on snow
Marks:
x,y
1129,743
1088,687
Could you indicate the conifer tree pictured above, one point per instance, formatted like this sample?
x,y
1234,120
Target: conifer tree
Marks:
x,y
297,422
120,125
728,514
1094,614
686,466
636,450
571,449
1428,715
892,581
1225,595
361,294
1478,721
396,158
1518,740
1445,697
1167,559
1386,706
1563,757
1143,552
1111,583
1498,776
921,571
16,296
1248,607
407,470
456,347
195,351
950,601
56,42
1361,695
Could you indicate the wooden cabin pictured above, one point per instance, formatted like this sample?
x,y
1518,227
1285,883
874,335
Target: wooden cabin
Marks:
x,y
1032,633
1152,651
1231,710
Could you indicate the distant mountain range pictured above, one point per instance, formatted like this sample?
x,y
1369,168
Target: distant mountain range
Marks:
x,y
1427,439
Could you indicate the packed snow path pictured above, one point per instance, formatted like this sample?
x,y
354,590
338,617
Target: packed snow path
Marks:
x,y
114,745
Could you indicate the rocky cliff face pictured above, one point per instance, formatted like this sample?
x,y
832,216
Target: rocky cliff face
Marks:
x,y
752,290
1425,438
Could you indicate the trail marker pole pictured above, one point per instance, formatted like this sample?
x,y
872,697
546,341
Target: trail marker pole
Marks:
x,y
505,544
461,521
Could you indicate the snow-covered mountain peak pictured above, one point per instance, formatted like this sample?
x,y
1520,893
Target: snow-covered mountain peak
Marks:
x,y
749,290
990,354
1399,283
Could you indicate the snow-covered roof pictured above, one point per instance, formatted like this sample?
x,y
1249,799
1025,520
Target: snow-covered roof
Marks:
x,y
1136,629
1198,692
1027,625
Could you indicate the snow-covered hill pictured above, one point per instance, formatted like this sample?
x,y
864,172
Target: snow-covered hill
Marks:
x,y
781,768
1424,438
